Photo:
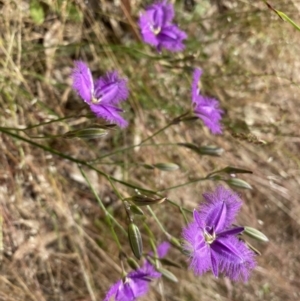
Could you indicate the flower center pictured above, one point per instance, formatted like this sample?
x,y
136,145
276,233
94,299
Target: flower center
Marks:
x,y
155,30
209,238
95,100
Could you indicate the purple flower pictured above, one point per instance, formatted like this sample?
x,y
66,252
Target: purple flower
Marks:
x,y
212,240
136,283
103,95
157,29
206,108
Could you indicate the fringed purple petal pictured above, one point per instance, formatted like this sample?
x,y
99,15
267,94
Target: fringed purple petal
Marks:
x,y
233,231
149,37
163,249
113,290
150,270
195,245
195,85
215,199
209,111
160,14
197,219
131,289
83,81
157,15
214,264
239,262
109,113
211,241
111,89
221,218
171,38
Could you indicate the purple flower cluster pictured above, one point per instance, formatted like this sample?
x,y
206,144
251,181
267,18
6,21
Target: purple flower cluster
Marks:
x,y
212,240
158,30
102,95
206,108
136,283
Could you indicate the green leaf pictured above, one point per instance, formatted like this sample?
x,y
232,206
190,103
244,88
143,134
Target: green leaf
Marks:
x,y
37,12
286,18
74,13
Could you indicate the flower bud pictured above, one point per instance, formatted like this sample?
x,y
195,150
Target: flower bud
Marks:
x,y
204,150
238,183
256,234
166,166
168,274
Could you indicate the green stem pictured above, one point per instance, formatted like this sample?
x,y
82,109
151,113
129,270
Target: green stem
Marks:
x,y
157,221
131,147
101,203
183,184
109,178
157,132
44,123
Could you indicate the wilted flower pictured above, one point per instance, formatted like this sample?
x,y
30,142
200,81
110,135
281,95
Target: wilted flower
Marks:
x,y
136,283
103,95
206,108
212,240
157,29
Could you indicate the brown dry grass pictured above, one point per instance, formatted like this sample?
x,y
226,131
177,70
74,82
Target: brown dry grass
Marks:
x,y
55,243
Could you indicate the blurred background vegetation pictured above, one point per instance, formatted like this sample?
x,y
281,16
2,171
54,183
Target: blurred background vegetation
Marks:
x,y
55,240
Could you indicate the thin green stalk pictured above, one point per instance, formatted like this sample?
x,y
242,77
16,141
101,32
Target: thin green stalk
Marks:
x,y
109,178
157,221
157,132
44,123
183,184
100,202
132,147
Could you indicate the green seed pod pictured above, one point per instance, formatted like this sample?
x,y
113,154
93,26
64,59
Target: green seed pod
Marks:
x,y
87,133
168,274
135,240
238,183
166,166
254,233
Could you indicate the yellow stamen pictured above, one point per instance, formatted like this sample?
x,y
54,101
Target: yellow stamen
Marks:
x,y
156,31
95,100
209,238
